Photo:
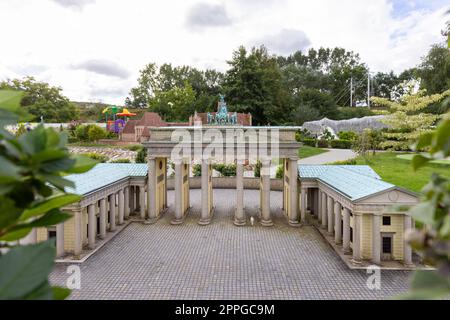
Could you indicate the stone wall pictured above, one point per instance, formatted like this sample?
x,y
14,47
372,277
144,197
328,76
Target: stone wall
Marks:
x,y
229,183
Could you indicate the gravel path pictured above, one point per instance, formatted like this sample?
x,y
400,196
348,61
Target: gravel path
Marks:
x,y
111,153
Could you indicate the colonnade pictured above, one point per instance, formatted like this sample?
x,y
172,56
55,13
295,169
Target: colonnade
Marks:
x,y
345,225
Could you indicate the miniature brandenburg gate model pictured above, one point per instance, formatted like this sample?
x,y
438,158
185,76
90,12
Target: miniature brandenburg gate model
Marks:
x,y
349,204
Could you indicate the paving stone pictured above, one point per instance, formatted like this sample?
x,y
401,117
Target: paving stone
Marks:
x,y
222,261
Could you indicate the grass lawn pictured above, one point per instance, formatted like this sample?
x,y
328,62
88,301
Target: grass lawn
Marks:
x,y
399,172
307,151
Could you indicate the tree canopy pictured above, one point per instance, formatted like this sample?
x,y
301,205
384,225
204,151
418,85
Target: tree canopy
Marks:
x,y
42,100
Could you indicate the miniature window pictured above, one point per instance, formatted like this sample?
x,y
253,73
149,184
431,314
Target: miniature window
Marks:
x,y
386,221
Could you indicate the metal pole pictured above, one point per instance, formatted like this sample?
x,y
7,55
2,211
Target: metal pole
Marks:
x,y
351,92
368,88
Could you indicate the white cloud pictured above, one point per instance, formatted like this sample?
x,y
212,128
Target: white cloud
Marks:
x,y
48,39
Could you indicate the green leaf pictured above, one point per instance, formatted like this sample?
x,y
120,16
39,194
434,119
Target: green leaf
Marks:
x,y
33,141
51,218
82,164
43,292
49,204
423,212
48,155
419,161
444,231
60,293
24,269
424,140
427,285
9,213
15,235
57,181
8,171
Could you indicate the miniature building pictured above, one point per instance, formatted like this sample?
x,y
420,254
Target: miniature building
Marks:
x,y
351,202
357,207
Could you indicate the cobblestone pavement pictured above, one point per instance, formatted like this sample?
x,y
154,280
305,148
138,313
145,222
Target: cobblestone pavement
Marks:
x,y
222,261
331,156
111,153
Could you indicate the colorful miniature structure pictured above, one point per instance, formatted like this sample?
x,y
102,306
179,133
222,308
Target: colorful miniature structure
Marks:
x,y
113,123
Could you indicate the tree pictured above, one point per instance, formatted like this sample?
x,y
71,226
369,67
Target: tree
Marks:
x,y
406,118
175,104
32,189
313,104
253,84
41,99
434,71
155,79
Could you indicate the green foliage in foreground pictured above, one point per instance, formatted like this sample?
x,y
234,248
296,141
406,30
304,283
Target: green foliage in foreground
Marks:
x,y
32,189
433,212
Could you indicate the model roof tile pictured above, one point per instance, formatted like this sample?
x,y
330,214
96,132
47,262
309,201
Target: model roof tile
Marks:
x,y
104,174
353,181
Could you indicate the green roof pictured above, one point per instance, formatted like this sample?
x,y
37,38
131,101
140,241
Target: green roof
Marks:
x,y
104,174
355,182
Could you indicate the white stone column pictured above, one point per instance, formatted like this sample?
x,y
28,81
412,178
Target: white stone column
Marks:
x,y
337,223
151,190
60,239
357,238
407,251
266,219
376,238
330,213
127,202
205,218
324,213
121,207
303,192
33,236
239,216
92,226
112,212
178,194
293,189
103,218
141,192
78,237
346,231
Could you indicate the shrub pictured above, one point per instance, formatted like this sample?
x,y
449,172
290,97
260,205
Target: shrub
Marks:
x,y
121,160
341,144
81,133
322,143
310,142
226,170
96,133
141,156
197,170
280,172
134,147
257,169
98,157
348,135
345,162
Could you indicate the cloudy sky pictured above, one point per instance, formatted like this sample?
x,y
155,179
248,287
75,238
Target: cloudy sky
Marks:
x,y
94,49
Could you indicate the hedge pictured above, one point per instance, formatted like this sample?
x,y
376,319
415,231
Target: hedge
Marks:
x,y
341,144
322,143
309,142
